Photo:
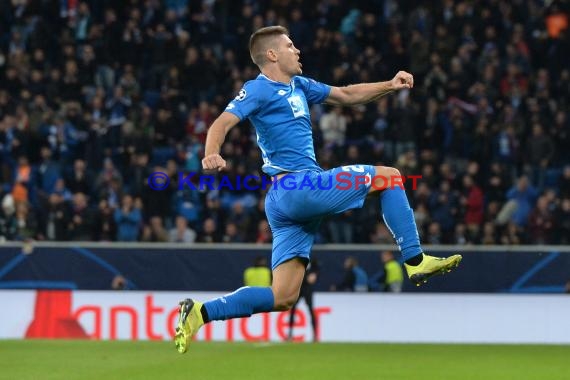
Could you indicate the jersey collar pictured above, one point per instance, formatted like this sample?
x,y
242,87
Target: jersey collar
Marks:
x,y
262,76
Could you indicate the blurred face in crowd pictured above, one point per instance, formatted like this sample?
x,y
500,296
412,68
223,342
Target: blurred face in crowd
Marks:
x,y
467,182
156,223
542,204
231,229
79,165
80,201
522,183
387,256
350,262
566,205
127,201
181,223
45,153
209,226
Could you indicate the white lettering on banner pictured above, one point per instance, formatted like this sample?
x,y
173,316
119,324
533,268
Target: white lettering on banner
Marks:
x,y
454,318
156,323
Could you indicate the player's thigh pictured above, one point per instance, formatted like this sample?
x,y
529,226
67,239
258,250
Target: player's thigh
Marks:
x,y
332,192
351,185
292,240
292,244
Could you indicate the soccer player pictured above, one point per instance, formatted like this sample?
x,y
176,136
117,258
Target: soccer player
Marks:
x,y
277,104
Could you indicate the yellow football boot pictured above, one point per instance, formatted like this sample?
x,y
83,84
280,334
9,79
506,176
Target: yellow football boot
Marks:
x,y
189,322
431,266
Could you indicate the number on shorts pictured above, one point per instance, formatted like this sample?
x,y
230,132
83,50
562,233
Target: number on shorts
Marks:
x,y
354,168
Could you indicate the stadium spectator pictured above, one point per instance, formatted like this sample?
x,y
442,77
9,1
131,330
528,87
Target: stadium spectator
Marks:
x,y
181,233
8,221
540,152
391,277
563,222
489,236
472,202
80,179
209,232
154,232
355,278
461,237
341,227
231,234
82,218
105,227
54,218
443,207
128,219
381,234
263,233
523,195
564,183
512,234
541,222
259,274
434,234
333,128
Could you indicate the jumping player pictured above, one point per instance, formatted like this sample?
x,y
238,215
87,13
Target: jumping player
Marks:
x,y
277,104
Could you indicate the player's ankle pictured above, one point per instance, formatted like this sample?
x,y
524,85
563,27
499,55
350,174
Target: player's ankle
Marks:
x,y
204,313
416,260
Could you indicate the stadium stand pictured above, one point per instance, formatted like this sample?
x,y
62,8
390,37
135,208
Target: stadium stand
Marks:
x,y
96,95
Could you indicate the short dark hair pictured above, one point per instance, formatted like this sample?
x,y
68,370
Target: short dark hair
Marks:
x,y
258,42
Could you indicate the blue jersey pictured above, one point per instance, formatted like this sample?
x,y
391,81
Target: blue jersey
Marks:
x,y
280,115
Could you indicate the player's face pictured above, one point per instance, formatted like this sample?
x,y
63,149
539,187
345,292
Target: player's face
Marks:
x,y
289,56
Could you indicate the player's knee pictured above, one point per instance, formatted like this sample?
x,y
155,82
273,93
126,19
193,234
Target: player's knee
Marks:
x,y
286,305
284,302
387,171
386,178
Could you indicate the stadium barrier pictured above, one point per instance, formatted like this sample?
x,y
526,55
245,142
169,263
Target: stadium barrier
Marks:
x,y
219,267
136,315
63,290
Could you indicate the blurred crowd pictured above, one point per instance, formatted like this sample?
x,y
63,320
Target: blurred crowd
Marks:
x,y
96,95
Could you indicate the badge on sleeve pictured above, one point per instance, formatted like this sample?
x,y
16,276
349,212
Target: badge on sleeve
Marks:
x,y
241,95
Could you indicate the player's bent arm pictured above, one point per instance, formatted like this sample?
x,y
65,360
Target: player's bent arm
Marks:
x,y
366,92
214,140
358,93
217,132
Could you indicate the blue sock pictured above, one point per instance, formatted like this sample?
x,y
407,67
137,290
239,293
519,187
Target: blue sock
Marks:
x,y
399,217
242,303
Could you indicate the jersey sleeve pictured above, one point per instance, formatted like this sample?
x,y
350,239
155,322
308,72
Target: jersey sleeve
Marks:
x,y
245,103
315,92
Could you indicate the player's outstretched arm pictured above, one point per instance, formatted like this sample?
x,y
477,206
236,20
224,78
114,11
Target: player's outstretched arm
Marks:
x,y
214,140
366,92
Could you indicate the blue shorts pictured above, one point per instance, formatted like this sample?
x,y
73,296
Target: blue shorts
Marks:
x,y
296,204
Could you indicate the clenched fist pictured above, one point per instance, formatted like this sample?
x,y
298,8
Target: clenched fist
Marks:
x,y
402,80
213,162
